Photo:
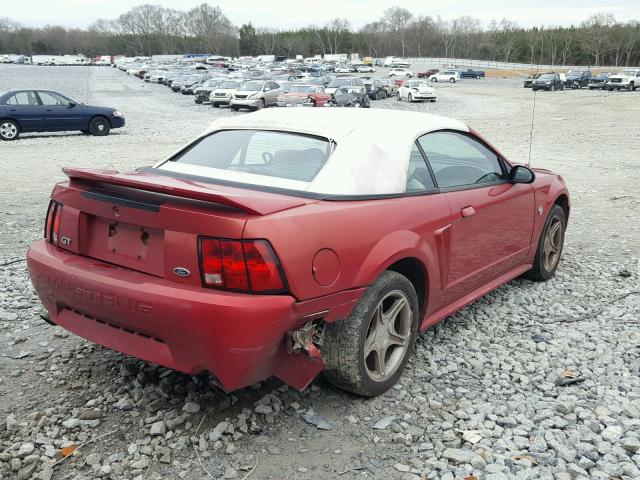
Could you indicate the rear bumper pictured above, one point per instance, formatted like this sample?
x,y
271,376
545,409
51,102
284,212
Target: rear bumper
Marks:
x,y
241,339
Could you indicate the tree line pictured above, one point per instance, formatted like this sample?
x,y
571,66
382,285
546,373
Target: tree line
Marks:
x,y
153,29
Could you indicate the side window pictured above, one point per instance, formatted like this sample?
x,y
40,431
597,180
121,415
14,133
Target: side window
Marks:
x,y
23,98
458,160
418,176
52,99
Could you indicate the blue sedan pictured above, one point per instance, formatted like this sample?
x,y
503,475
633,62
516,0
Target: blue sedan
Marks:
x,y
45,111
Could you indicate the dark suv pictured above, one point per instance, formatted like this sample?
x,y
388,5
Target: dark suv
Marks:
x,y
548,81
578,78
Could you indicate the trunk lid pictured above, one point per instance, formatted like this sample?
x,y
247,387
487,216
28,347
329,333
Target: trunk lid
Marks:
x,y
150,222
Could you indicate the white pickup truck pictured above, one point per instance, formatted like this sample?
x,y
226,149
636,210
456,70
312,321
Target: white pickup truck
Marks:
x,y
626,79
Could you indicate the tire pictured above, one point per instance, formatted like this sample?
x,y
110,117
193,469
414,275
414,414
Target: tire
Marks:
x,y
631,89
433,79
409,98
9,130
398,97
344,340
452,80
99,126
384,95
198,101
545,263
215,105
553,87
262,104
235,108
85,132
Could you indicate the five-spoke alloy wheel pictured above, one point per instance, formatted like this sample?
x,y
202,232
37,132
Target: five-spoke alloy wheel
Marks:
x,y
367,352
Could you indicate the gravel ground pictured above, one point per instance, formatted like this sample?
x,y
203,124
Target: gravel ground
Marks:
x,y
536,380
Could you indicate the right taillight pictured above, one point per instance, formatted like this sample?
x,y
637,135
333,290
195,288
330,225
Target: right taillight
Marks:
x,y
248,266
52,229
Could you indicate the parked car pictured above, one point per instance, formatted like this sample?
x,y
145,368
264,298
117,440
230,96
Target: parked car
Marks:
x,y
243,259
255,94
203,91
343,69
23,111
353,96
577,78
528,82
390,87
400,72
451,76
548,81
375,89
343,82
599,81
625,80
221,95
304,96
428,73
416,91
366,69
471,73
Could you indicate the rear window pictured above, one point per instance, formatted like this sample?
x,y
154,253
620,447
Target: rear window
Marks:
x,y
274,154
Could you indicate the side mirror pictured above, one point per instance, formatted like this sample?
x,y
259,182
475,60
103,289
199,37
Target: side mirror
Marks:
x,y
71,105
521,174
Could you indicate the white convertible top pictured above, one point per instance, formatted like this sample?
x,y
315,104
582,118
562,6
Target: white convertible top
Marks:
x,y
372,151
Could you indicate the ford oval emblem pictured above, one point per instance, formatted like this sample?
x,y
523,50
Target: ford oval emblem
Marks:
x,y
181,272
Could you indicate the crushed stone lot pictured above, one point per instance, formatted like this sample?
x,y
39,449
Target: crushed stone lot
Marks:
x,y
534,381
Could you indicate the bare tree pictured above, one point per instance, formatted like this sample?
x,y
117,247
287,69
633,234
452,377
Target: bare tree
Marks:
x,y
398,19
596,35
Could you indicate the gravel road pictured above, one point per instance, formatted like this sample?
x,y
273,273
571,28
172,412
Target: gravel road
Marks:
x,y
534,381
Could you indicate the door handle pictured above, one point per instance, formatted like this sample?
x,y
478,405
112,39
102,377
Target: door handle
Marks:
x,y
468,211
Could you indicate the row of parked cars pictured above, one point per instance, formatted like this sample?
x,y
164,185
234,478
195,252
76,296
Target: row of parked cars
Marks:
x,y
255,88
628,79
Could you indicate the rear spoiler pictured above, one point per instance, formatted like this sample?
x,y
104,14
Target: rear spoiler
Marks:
x,y
249,201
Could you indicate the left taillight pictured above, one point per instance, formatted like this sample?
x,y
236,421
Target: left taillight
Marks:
x,y
248,266
52,228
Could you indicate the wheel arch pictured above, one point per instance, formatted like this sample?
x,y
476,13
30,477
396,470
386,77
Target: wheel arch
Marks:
x,y
406,253
101,115
416,273
563,201
7,117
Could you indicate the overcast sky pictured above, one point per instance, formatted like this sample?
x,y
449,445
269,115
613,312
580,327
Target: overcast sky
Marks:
x,y
297,13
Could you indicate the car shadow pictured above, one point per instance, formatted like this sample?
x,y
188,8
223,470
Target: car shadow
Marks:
x,y
35,135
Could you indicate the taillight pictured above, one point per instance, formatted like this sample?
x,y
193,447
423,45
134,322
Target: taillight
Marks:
x,y
52,229
248,266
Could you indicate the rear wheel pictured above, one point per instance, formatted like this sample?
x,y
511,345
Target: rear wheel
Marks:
x,y
366,353
434,79
99,126
9,130
452,80
550,246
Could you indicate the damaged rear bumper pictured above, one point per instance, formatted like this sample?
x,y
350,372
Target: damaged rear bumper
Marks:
x,y
241,339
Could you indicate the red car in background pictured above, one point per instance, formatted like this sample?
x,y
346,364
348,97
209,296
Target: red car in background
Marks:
x,y
303,95
428,73
290,242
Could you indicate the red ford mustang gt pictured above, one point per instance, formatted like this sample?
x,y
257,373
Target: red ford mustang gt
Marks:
x,y
288,242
